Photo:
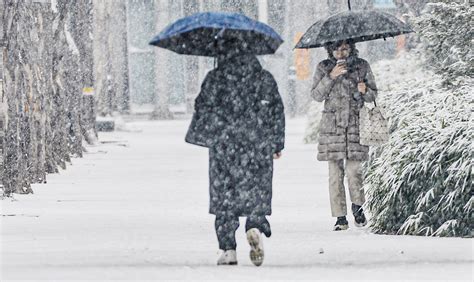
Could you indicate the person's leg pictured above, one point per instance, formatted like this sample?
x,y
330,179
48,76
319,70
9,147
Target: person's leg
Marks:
x,y
354,179
254,227
356,190
337,193
226,224
260,222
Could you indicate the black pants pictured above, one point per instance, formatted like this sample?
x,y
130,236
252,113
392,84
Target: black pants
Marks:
x,y
227,223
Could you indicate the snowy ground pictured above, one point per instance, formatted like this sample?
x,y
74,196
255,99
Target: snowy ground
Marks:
x,y
136,208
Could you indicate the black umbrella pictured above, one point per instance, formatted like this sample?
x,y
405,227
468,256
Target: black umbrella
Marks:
x,y
356,26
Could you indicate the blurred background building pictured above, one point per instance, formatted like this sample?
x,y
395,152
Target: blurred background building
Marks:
x,y
163,84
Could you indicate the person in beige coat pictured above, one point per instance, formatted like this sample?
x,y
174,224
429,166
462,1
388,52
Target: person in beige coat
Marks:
x,y
344,82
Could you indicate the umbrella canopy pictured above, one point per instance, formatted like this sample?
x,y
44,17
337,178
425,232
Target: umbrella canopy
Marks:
x,y
212,34
356,26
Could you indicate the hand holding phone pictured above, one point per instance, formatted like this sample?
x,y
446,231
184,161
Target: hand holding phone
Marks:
x,y
339,69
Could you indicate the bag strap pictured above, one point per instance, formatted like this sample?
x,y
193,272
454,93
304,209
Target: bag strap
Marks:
x,y
363,80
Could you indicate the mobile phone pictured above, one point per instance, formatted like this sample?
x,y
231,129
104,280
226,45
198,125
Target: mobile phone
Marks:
x,y
341,62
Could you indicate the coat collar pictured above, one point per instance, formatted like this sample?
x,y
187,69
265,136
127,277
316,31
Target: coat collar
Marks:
x,y
245,63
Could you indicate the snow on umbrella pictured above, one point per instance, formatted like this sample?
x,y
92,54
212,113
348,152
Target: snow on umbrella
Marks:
x,y
356,26
212,34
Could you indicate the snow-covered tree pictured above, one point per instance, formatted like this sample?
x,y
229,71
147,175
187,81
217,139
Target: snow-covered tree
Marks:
x,y
43,87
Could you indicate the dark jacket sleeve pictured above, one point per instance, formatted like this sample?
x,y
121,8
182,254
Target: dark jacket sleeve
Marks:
x,y
207,123
322,83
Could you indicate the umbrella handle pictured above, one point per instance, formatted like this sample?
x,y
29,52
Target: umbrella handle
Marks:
x,y
219,34
349,4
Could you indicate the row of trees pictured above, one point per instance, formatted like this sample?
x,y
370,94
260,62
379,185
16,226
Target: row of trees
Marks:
x,y
50,88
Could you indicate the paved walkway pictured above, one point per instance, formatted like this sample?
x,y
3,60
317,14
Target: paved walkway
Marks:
x,y
135,207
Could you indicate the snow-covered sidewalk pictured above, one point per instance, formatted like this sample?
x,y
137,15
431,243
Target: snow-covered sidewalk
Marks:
x,y
136,207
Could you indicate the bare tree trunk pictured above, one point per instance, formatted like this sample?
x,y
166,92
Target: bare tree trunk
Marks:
x,y
73,76
81,30
161,99
106,97
191,64
18,92
120,65
61,119
3,107
42,70
41,106
111,57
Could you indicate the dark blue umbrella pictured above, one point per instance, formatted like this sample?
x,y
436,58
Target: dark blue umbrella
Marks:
x,y
212,34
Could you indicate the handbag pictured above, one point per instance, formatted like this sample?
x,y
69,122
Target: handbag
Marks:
x,y
373,126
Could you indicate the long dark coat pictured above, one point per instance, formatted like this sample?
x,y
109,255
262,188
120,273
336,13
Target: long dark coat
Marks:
x,y
239,116
339,127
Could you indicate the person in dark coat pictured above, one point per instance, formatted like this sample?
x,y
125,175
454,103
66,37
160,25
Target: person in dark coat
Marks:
x,y
344,82
239,116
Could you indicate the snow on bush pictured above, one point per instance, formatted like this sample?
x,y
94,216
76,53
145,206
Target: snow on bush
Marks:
x,y
447,35
420,182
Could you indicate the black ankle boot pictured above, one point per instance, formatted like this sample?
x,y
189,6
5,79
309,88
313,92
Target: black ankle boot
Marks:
x,y
359,216
341,224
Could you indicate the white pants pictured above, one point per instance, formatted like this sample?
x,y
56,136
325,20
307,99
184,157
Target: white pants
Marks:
x,y
337,192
